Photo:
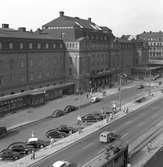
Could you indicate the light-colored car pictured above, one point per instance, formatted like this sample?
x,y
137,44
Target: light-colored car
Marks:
x,y
61,164
94,99
108,136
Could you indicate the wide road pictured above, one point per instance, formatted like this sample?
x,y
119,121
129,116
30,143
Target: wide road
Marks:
x,y
130,127
70,119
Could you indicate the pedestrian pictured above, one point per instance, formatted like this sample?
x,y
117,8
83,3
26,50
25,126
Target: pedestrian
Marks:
x,y
70,132
33,154
52,141
87,95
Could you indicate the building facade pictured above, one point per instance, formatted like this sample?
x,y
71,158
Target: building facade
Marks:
x,y
29,60
128,56
155,49
87,53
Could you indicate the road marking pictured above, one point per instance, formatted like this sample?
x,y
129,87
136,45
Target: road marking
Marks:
x,y
141,124
124,135
88,145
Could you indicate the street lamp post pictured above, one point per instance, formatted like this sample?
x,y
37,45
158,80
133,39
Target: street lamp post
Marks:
x,y
121,76
120,84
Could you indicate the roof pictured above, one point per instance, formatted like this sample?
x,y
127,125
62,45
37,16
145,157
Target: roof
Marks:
x,y
58,163
32,139
106,132
23,34
67,21
153,36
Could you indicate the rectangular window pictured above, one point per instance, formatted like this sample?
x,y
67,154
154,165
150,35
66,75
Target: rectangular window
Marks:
x,y
30,45
38,46
47,45
22,64
0,45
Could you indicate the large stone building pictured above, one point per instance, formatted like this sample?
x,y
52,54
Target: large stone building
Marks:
x,y
155,51
87,49
29,60
65,49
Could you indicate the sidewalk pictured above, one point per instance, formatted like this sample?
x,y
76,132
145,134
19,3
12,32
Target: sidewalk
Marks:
x,y
29,115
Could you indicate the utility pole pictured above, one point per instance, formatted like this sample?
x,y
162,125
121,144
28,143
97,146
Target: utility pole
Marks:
x,y
120,84
150,82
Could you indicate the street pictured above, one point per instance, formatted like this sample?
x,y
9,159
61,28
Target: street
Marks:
x,y
69,119
130,127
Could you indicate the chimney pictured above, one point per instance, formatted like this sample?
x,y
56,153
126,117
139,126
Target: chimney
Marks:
x,y
22,29
89,19
5,25
61,13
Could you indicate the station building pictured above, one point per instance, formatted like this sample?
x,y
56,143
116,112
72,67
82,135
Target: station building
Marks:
x,y
87,49
29,60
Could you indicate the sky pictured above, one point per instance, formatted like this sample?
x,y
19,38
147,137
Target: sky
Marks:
x,y
121,16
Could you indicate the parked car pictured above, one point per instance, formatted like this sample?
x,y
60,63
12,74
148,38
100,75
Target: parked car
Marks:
x,y
61,164
53,133
37,144
8,154
66,129
108,136
57,113
70,108
3,131
140,86
94,99
20,147
156,77
91,118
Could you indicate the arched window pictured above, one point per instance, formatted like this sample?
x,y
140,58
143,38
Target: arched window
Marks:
x,y
21,45
10,45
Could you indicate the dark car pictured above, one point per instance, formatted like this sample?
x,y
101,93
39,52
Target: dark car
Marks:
x,y
57,113
91,118
37,144
20,147
53,133
8,154
66,129
140,86
70,108
3,131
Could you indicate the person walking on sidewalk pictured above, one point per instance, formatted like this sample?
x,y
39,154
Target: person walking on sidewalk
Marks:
x,y
33,155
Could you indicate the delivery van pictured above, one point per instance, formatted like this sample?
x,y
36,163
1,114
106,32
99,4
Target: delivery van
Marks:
x,y
107,137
